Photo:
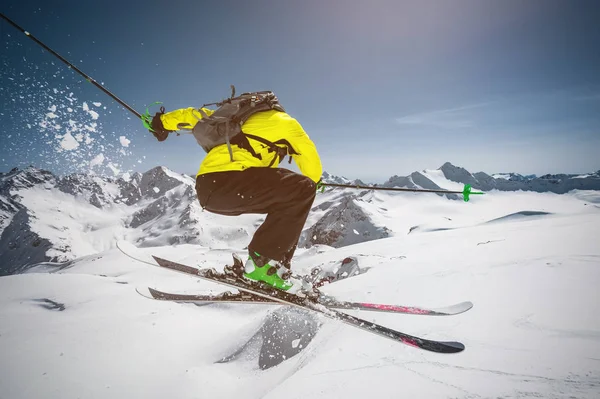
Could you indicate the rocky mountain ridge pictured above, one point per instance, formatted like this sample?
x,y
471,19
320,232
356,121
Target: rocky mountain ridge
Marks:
x,y
558,183
45,218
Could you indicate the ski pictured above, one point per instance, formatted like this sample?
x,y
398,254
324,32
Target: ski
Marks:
x,y
285,298
330,302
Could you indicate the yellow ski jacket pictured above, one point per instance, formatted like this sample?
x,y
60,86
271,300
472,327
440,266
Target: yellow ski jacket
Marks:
x,y
271,125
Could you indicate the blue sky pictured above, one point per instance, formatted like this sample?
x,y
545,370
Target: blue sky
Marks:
x,y
382,87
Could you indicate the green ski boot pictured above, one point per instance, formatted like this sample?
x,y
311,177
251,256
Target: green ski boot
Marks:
x,y
260,268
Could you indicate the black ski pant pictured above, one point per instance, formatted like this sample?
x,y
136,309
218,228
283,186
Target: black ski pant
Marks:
x,y
286,197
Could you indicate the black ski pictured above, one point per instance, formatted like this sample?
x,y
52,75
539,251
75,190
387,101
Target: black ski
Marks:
x,y
283,297
330,302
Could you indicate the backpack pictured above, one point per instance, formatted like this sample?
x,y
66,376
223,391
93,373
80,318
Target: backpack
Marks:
x,y
224,126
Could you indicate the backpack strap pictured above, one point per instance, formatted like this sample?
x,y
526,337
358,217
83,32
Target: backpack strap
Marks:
x,y
242,141
280,152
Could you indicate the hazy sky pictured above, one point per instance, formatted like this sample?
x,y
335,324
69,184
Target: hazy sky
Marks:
x,y
382,87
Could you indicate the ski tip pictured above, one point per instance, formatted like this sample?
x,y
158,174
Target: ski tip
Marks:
x,y
463,306
453,310
453,347
160,261
433,346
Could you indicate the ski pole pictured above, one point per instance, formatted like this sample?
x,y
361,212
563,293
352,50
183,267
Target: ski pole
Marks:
x,y
87,77
465,193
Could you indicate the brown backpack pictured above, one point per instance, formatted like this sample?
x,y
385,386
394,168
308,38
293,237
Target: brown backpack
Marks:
x,y
224,126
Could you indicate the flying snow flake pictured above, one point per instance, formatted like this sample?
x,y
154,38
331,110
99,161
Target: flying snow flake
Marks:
x,y
124,141
156,190
94,114
98,160
91,127
97,104
355,232
68,142
87,109
114,168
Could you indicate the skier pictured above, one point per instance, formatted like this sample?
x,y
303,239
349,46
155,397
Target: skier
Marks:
x,y
243,176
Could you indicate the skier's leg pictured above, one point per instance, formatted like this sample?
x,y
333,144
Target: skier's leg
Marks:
x,y
286,197
278,236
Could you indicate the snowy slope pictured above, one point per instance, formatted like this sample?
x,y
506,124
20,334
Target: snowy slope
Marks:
x,y
437,176
46,218
62,219
534,331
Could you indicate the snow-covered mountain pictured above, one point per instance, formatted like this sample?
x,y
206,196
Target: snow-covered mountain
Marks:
x,y
44,218
559,184
49,219
529,261
327,178
343,219
513,176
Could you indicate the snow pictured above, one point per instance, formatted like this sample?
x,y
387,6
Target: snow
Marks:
x,y
437,176
92,113
66,131
69,142
534,330
98,159
504,176
70,222
124,141
114,168
182,178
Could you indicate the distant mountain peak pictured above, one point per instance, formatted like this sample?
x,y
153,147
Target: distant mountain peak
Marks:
x,y
329,178
458,174
447,165
24,178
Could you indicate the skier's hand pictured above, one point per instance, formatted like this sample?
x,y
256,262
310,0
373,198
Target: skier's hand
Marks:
x,y
320,186
158,130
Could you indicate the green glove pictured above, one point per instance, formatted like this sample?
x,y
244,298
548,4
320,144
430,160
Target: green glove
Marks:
x,y
320,186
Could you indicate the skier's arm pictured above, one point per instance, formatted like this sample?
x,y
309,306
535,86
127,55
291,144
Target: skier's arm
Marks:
x,y
185,118
307,159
